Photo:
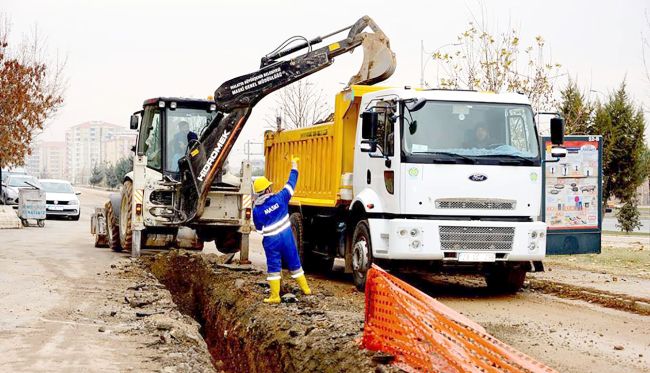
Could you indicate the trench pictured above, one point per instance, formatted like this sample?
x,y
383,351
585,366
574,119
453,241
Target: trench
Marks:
x,y
319,333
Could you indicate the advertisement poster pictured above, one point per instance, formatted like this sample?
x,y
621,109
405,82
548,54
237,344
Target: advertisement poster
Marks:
x,y
572,188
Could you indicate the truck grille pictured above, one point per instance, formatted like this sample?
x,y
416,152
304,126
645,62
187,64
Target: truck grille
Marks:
x,y
476,203
476,238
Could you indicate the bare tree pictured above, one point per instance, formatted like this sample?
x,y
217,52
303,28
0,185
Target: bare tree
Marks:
x,y
31,87
482,61
299,105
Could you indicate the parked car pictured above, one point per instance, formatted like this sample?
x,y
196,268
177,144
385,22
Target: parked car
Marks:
x,y
60,199
12,185
6,172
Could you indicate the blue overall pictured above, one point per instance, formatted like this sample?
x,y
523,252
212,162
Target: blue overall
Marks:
x,y
271,218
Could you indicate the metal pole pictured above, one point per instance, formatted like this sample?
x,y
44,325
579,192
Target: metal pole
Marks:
x,y
421,63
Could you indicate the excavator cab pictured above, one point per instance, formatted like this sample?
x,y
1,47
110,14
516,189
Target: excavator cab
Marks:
x,y
168,126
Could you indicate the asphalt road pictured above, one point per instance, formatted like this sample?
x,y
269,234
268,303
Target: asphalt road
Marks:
x,y
50,292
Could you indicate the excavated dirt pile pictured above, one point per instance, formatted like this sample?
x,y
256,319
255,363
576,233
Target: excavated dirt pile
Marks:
x,y
314,333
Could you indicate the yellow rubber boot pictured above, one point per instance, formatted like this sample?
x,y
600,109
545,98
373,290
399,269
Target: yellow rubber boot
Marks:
x,y
275,292
302,282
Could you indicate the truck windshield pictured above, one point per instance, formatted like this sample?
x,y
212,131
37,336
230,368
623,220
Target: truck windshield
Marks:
x,y
183,124
475,130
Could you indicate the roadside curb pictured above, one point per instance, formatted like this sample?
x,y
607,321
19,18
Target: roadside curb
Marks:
x,y
8,218
603,298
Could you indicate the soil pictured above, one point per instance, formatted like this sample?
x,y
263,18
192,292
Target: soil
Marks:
x,y
317,333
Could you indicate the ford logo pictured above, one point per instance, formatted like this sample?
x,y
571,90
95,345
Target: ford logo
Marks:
x,y
478,177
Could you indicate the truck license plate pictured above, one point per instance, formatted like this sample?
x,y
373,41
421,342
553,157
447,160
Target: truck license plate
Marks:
x,y
476,257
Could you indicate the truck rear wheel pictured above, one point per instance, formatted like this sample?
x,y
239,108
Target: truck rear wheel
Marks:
x,y
361,254
311,262
112,228
126,233
298,231
506,279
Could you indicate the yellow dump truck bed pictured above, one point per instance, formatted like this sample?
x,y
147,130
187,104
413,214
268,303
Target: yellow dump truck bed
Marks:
x,y
326,154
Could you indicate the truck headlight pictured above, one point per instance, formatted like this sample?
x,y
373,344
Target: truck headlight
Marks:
x,y
415,232
416,244
403,232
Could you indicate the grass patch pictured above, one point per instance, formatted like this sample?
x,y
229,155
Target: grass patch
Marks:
x,y
619,261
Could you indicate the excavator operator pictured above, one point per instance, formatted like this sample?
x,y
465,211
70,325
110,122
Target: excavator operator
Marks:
x,y
271,217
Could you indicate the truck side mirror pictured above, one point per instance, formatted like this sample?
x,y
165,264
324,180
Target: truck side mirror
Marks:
x,y
557,138
557,131
369,120
134,122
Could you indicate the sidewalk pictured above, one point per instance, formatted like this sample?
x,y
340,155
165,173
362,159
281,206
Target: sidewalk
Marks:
x,y
8,218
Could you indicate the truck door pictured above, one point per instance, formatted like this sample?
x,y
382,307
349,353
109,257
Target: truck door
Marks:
x,y
382,171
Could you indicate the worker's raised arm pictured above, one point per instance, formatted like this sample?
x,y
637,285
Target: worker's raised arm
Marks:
x,y
289,188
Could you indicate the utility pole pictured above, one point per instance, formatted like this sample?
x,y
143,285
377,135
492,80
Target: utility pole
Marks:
x,y
421,63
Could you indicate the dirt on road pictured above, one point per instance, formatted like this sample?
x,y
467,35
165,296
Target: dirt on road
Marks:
x,y
318,333
67,306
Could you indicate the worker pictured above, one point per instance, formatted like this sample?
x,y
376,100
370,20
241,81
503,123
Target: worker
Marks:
x,y
271,217
179,143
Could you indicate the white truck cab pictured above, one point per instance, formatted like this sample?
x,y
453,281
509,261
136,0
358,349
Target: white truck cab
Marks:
x,y
449,176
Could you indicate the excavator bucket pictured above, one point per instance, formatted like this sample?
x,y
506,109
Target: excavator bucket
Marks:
x,y
378,59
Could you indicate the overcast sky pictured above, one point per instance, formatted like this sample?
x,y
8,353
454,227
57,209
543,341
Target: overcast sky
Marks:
x,y
121,52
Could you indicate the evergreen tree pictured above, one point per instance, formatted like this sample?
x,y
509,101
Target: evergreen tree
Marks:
x,y
111,180
122,167
622,126
628,216
576,110
96,176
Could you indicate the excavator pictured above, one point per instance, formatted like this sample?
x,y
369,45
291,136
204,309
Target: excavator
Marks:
x,y
192,198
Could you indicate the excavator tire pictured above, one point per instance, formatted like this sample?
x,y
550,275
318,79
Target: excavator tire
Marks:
x,y
112,228
126,233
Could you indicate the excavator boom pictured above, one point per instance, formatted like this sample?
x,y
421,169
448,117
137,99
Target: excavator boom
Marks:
x,y
236,98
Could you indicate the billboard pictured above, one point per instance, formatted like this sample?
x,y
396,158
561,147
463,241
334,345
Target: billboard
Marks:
x,y
572,196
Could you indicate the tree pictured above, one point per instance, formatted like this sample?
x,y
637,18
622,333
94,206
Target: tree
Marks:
x,y
96,176
576,110
481,61
622,126
628,216
31,88
122,167
109,173
300,105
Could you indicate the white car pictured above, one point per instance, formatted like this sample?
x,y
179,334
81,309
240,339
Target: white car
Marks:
x,y
61,199
11,187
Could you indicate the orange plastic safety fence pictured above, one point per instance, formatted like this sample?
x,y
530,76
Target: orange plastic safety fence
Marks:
x,y
426,336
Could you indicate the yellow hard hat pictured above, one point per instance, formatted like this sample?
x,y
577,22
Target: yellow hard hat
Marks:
x,y
260,184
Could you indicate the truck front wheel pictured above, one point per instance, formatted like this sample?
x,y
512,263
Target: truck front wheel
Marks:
x,y
126,233
507,279
361,254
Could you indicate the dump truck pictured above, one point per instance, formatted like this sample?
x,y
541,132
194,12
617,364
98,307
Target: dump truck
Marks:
x,y
179,192
432,180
